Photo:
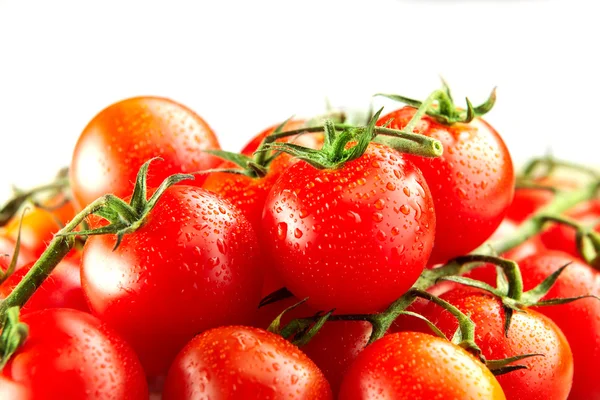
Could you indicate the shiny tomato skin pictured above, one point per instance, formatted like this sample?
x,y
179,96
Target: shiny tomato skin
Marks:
x,y
365,228
71,355
238,362
118,140
418,366
193,265
547,378
562,237
579,320
472,183
10,390
62,289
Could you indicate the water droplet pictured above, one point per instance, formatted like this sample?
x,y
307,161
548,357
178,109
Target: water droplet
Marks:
x,y
281,230
355,216
298,233
404,209
221,246
278,210
377,217
361,181
406,191
379,204
303,213
390,186
214,261
381,235
462,193
395,231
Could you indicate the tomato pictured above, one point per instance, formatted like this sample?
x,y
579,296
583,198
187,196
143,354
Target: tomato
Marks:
x,y
472,183
39,227
366,228
13,390
527,201
193,265
579,320
237,362
311,140
62,289
562,237
547,378
123,136
71,355
417,366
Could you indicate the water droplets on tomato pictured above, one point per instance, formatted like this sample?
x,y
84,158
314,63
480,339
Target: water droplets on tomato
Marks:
x,y
298,233
281,230
379,204
377,217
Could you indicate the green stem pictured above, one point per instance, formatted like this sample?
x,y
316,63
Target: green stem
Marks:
x,y
562,202
43,267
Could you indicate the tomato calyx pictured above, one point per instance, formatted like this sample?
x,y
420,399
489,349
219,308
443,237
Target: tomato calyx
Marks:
x,y
13,335
60,185
509,286
440,106
273,297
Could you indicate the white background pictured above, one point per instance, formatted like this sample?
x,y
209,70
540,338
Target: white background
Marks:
x,y
245,65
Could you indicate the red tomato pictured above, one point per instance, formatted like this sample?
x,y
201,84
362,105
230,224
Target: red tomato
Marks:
x,y
71,355
13,391
528,201
192,266
311,140
472,183
547,378
562,237
417,366
39,227
364,228
579,320
62,289
237,362
115,144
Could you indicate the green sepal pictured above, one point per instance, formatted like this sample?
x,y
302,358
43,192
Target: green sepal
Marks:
x,y
302,338
241,160
273,297
4,275
534,295
472,283
501,367
275,326
430,324
13,335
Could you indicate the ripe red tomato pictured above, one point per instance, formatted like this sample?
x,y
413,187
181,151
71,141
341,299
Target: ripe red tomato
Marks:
x,y
412,365
547,378
562,237
579,320
364,228
472,183
527,201
123,136
237,362
39,227
193,265
71,355
62,289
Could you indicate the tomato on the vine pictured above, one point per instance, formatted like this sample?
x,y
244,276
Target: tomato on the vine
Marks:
x,y
579,320
413,365
71,355
547,377
472,183
193,265
238,362
366,227
62,289
123,136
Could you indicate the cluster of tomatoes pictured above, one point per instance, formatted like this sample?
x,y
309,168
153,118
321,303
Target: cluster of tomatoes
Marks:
x,y
140,271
